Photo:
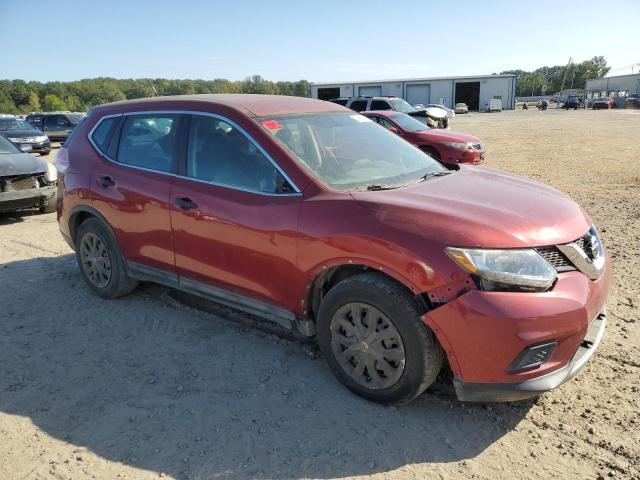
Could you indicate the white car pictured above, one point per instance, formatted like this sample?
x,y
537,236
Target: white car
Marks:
x,y
461,108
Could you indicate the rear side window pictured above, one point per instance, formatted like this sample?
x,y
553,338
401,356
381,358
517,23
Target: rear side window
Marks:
x,y
222,154
150,141
380,105
358,105
102,134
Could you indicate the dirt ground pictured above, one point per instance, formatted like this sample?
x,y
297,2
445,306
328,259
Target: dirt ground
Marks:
x,y
147,386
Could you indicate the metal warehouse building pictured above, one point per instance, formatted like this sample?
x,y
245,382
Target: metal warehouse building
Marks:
x,y
474,91
618,87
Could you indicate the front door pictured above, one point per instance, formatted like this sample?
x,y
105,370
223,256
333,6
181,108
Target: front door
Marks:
x,y
234,215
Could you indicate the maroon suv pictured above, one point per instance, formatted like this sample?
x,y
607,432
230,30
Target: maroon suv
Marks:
x,y
315,217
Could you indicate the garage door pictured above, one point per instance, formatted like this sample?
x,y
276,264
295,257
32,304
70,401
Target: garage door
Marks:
x,y
370,91
419,94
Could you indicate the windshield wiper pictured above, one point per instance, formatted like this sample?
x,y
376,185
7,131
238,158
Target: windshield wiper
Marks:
x,y
373,188
429,175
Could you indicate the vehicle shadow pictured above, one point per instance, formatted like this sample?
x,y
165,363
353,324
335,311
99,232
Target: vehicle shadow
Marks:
x,y
154,384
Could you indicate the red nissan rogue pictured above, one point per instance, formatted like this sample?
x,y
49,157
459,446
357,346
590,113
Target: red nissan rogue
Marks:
x,y
315,217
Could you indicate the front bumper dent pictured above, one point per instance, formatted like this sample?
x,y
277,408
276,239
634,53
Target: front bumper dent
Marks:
x,y
507,392
21,199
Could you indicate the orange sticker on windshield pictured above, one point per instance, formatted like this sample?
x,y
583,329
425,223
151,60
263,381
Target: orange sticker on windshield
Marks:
x,y
272,124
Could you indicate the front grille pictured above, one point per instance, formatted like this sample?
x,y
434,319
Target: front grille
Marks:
x,y
556,258
12,184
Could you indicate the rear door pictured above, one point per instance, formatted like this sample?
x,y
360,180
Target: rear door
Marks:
x,y
234,215
131,186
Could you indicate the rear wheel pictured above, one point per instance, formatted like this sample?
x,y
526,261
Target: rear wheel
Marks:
x,y
101,262
370,332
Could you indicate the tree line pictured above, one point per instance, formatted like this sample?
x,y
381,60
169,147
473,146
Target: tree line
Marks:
x,y
549,80
18,96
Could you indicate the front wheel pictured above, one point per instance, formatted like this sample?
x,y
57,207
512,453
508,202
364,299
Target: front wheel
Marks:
x,y
50,205
370,332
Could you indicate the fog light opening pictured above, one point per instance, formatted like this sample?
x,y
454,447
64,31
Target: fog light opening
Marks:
x,y
532,357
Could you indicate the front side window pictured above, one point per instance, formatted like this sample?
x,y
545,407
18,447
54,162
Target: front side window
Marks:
x,y
150,141
349,151
340,101
220,153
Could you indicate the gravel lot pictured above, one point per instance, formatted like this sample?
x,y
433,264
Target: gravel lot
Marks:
x,y
147,386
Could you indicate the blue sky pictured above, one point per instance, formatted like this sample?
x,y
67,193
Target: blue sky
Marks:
x,y
319,40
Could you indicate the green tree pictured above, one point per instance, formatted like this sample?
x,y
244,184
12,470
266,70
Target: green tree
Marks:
x,y
52,103
32,104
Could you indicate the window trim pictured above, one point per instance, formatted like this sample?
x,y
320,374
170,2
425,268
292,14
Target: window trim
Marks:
x,y
297,191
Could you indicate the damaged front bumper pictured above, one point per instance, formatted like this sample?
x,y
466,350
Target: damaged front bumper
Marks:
x,y
506,392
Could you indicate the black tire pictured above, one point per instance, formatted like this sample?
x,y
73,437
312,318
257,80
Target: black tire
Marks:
x,y
119,283
50,206
431,151
423,356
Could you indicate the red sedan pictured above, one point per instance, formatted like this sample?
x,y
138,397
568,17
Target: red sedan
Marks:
x,y
606,102
444,145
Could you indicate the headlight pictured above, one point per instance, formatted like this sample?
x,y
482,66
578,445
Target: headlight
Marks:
x,y
51,175
506,269
14,140
463,145
40,138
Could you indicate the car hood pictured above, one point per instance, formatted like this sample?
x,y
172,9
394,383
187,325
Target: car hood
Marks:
x,y
480,207
21,133
20,164
439,135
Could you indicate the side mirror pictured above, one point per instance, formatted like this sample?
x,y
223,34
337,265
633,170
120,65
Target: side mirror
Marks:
x,y
393,130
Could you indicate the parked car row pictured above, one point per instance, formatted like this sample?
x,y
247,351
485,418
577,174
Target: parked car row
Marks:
x,y
314,216
35,132
433,116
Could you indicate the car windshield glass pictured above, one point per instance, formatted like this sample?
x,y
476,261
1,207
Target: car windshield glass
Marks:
x,y
7,147
75,118
400,105
7,124
349,151
409,124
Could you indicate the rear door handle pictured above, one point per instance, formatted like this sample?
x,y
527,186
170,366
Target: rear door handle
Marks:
x,y
106,181
185,203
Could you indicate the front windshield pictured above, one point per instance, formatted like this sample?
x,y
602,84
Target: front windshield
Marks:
x,y
7,147
400,105
349,151
7,124
409,124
